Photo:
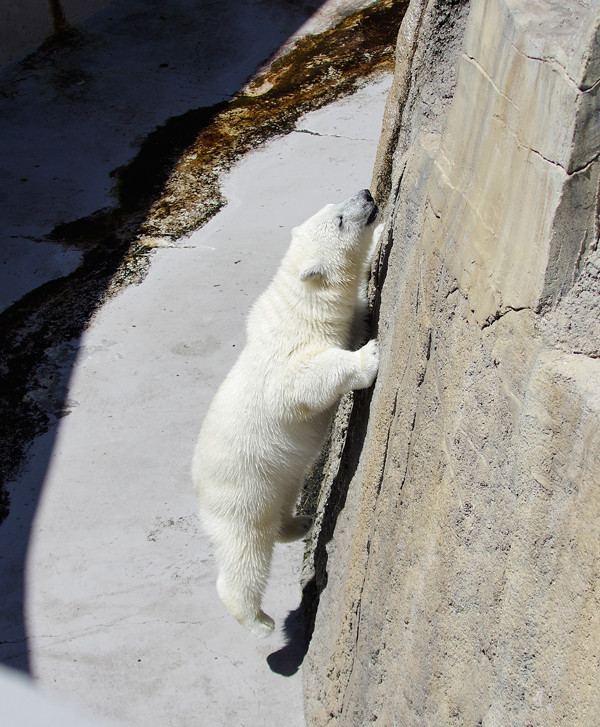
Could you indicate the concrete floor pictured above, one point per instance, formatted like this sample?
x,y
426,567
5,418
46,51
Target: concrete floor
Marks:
x,y
120,614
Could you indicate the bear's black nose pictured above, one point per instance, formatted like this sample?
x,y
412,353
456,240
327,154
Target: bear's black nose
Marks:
x,y
367,195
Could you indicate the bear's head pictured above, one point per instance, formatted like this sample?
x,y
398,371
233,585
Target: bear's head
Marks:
x,y
332,244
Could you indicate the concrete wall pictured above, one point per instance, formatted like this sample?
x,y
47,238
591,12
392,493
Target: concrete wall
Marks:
x,y
27,23
456,568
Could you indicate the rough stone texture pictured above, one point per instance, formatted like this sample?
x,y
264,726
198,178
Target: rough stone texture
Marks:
x,y
455,573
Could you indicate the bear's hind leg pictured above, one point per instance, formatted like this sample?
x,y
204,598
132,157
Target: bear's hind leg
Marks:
x,y
244,565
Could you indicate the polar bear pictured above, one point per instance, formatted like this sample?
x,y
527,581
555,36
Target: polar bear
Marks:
x,y
269,418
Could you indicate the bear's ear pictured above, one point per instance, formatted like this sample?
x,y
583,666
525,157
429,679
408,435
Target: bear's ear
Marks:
x,y
312,270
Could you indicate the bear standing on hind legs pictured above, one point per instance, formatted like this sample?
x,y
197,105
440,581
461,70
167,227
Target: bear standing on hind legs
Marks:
x,y
269,419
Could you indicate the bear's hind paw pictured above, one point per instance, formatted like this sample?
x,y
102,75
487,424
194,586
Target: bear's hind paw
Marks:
x,y
261,626
294,529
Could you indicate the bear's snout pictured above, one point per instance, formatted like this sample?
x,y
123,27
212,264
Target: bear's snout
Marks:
x,y
362,197
373,216
362,205
368,198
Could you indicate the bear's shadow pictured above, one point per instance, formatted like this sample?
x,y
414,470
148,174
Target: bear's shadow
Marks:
x,y
289,658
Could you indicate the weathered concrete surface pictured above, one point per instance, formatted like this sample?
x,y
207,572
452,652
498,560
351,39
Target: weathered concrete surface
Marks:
x,y
457,566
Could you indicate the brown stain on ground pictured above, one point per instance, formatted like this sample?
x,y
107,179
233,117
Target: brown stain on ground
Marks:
x,y
171,188
318,70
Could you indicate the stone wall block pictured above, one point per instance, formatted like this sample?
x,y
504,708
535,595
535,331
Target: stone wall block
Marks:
x,y
518,155
461,583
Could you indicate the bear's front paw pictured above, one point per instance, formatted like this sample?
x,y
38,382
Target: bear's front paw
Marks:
x,y
368,357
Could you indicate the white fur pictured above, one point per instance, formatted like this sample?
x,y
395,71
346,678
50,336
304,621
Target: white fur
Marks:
x,y
268,420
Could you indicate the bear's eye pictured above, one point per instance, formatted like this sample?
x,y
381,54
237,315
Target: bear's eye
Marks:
x,y
340,220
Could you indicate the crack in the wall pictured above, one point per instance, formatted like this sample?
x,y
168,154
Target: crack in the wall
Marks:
x,y
582,168
383,256
475,63
586,354
577,170
495,317
387,443
354,651
59,19
578,261
596,221
557,67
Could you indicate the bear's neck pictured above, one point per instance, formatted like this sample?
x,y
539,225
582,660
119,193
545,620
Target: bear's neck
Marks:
x,y
319,311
